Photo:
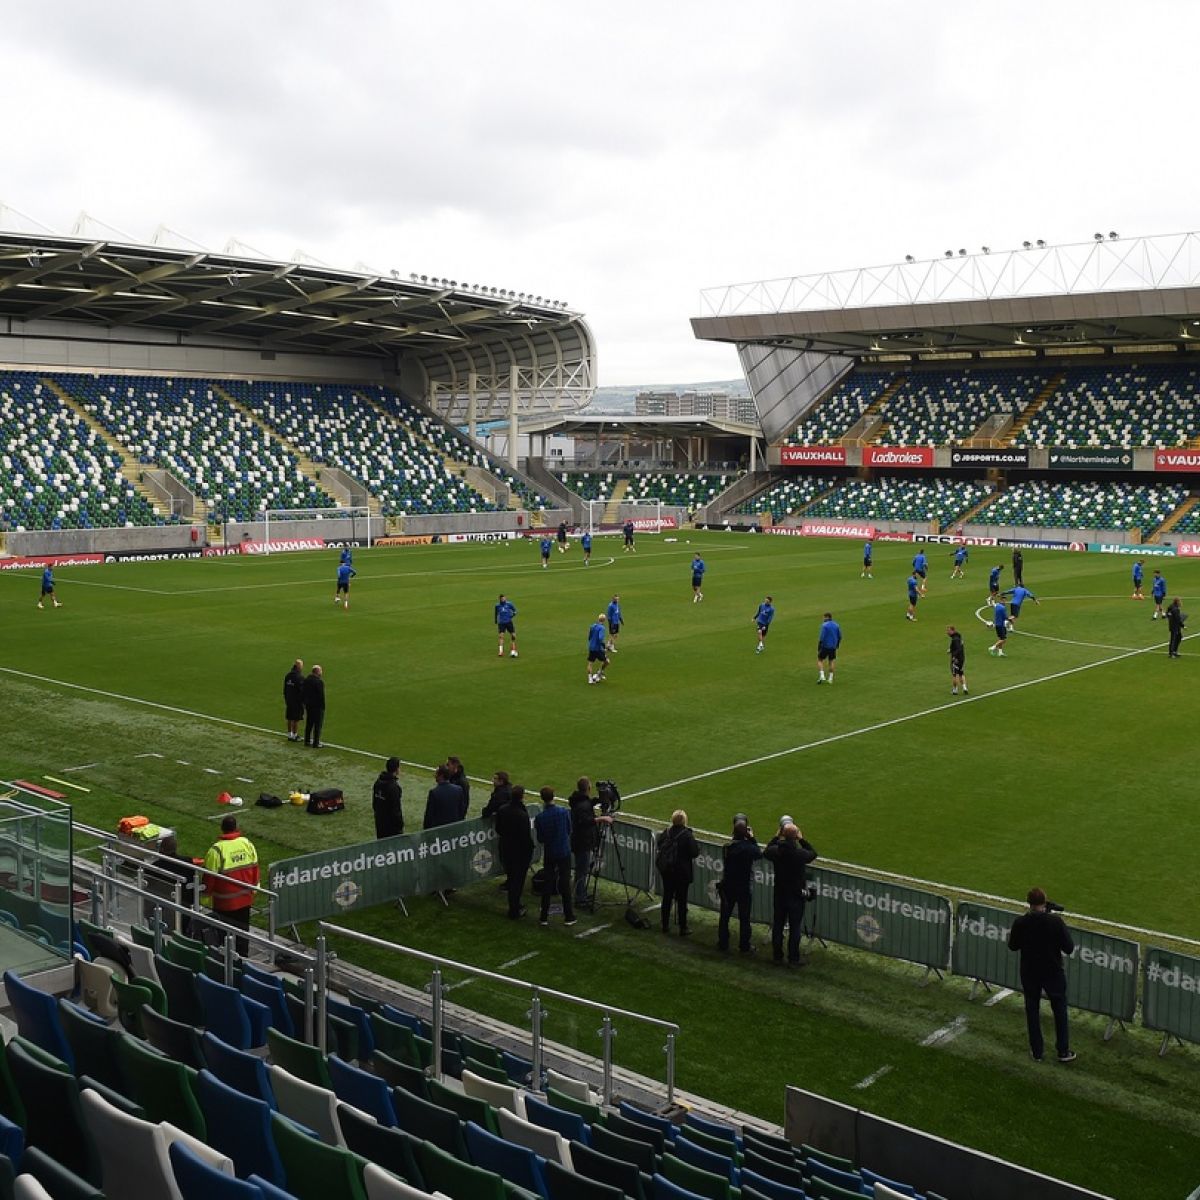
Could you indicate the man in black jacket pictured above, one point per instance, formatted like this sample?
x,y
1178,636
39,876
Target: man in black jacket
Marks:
x,y
739,858
1042,938
583,834
515,838
458,777
501,794
293,699
386,798
677,850
314,707
1018,564
1176,620
789,854
445,803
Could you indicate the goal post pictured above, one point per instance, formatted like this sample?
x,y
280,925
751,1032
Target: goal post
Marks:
x,y
349,524
647,516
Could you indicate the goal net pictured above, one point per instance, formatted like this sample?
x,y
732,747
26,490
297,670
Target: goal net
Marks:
x,y
283,527
648,516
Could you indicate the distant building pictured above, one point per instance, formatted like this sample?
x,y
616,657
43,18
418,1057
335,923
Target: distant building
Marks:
x,y
719,406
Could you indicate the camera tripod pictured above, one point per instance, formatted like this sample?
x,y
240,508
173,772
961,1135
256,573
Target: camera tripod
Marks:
x,y
607,843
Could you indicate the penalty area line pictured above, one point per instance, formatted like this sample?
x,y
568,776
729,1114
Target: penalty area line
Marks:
x,y
891,722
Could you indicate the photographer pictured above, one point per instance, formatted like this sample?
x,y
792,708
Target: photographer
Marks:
x,y
584,834
789,854
677,851
739,857
1042,938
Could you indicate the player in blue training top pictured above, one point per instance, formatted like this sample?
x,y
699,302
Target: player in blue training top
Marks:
x,y
597,660
994,584
921,569
615,620
48,588
585,544
763,619
547,546
347,558
627,530
960,561
866,571
914,594
1158,591
1017,596
1137,581
698,569
828,641
342,595
1000,621
505,611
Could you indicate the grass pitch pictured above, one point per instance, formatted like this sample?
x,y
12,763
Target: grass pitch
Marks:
x,y
1068,765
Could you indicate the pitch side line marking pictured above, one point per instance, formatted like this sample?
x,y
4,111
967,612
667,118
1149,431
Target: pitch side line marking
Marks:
x,y
1045,637
874,1077
947,1033
893,721
1002,994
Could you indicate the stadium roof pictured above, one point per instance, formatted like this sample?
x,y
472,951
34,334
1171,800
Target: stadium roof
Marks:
x,y
455,330
1136,293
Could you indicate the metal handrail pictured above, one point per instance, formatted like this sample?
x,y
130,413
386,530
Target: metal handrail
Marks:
x,y
440,963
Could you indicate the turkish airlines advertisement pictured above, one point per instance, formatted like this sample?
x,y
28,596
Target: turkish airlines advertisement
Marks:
x,y
1177,460
812,456
907,458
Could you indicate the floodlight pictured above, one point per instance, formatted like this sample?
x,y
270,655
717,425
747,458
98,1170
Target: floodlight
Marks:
x,y
1027,245
963,253
949,253
909,258
395,273
1040,244
424,278
986,249
1112,237
1099,237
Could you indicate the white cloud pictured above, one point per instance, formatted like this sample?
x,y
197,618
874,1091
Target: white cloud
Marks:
x,y
619,156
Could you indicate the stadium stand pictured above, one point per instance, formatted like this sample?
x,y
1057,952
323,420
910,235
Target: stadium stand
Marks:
x,y
1084,505
164,1127
57,472
893,499
787,495
337,426
842,408
1126,407
935,409
681,491
230,462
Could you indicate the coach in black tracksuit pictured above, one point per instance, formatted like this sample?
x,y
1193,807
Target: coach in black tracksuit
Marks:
x,y
293,700
314,706
386,797
1176,620
789,854
738,858
1018,569
1042,938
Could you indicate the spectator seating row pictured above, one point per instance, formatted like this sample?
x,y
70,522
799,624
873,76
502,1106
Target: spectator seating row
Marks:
x,y
218,452
154,1107
55,471
890,498
680,491
1084,505
788,495
1153,405
45,923
842,409
334,425
945,407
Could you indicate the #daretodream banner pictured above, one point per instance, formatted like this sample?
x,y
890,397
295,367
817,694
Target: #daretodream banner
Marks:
x,y
329,882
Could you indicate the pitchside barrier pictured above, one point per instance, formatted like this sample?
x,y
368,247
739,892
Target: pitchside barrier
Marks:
x,y
881,917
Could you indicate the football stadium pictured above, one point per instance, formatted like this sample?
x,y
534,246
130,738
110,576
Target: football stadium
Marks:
x,y
982,470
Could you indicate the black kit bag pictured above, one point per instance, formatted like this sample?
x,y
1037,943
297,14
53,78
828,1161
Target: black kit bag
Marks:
x,y
327,800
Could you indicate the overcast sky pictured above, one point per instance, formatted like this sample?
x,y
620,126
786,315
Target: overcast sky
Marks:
x,y
618,156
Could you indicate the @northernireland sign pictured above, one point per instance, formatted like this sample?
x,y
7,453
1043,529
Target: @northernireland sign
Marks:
x,y
1101,457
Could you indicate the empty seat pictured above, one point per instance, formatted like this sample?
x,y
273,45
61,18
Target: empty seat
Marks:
x,y
313,1107
635,1150
565,1184
496,1094
316,1170
637,1130
241,1070
299,1058
61,1183
706,1160
588,1111
36,1015
568,1085
393,1149
234,1018
514,1163
397,1040
172,1038
179,984
197,1180
632,1112
613,1171
362,1090
239,1126
270,995
712,1128
383,1185
95,987
429,1121
468,1108
93,1042
400,1074
162,1086
551,1145
571,1125
457,1178
771,1188
134,1158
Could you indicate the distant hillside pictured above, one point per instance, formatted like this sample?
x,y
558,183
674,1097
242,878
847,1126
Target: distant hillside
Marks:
x,y
620,399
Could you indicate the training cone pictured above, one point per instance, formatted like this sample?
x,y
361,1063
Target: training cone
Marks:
x,y
224,798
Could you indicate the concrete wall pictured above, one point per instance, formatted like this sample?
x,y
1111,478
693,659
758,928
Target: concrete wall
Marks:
x,y
90,541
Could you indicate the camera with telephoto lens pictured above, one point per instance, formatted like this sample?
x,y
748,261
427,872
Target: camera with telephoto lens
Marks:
x,y
1052,907
608,796
810,892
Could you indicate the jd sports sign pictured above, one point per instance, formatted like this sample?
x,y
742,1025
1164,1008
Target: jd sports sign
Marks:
x,y
990,458
1100,458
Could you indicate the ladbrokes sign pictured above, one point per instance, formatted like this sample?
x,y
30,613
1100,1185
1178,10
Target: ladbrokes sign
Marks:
x,y
906,458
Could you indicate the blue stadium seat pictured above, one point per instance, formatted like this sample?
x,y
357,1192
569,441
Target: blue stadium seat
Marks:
x,y
199,1181
239,1126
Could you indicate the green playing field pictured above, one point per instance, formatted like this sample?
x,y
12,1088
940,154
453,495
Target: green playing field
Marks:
x,y
159,685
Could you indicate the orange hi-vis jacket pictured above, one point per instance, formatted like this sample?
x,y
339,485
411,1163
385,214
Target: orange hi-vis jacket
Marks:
x,y
234,856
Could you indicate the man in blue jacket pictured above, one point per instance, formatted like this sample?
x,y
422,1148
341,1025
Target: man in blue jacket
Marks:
x,y
546,546
1017,596
1158,592
828,641
585,543
345,573
553,828
698,569
506,610
921,569
763,619
597,660
615,620
48,588
1000,622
